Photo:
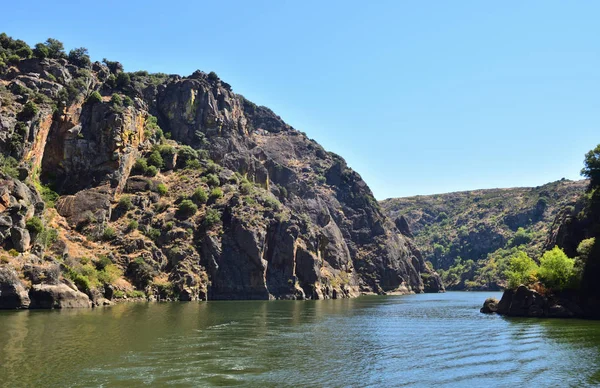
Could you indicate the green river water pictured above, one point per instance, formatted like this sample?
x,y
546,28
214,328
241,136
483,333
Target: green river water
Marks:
x,y
393,341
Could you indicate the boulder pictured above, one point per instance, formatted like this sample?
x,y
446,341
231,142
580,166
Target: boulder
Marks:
x,y
20,239
522,302
47,296
76,208
489,306
12,292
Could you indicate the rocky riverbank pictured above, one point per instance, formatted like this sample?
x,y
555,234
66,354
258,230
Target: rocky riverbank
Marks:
x,y
527,302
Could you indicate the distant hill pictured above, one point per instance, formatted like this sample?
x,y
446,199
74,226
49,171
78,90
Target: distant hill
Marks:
x,y
459,233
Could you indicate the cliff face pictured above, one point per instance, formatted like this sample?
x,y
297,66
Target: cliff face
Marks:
x,y
468,230
179,188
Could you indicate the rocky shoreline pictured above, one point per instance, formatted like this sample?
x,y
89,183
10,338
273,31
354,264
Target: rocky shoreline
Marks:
x,y
527,302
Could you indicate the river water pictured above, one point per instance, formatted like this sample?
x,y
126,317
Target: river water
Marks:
x,y
414,340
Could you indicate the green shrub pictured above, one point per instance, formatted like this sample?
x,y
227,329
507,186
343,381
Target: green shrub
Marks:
x,y
132,225
140,166
48,195
584,249
162,189
200,196
109,233
186,154
35,225
95,97
246,188
193,164
212,180
13,58
212,76
81,281
125,203
127,101
24,52
521,237
187,208
283,193
212,167
116,99
152,233
109,274
272,203
151,171
136,294
556,269
155,159
169,225
8,165
30,109
102,262
522,270
48,237
211,218
216,193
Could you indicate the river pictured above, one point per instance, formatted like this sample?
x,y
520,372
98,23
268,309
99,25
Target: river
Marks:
x,y
392,341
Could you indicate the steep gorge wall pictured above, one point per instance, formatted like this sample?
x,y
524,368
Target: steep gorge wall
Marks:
x,y
294,220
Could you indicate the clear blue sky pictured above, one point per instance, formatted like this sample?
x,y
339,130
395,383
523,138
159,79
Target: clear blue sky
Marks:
x,y
420,97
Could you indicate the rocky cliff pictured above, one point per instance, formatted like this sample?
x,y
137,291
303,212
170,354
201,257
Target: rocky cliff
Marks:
x,y
134,185
467,235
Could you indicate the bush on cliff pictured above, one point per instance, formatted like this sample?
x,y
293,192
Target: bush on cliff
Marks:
x,y
521,270
187,208
94,98
556,269
592,166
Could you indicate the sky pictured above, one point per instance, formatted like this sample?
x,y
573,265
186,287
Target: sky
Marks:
x,y
419,97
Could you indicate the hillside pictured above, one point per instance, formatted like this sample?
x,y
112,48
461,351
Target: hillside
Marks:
x,y
134,185
466,235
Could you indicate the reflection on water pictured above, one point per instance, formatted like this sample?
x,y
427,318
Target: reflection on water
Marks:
x,y
370,341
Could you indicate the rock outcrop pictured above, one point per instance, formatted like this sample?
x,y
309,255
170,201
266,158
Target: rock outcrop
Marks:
x,y
527,302
13,294
176,188
57,296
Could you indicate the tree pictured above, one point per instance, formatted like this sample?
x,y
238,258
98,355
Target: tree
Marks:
x,y
521,270
80,57
41,51
556,269
56,49
592,167
123,80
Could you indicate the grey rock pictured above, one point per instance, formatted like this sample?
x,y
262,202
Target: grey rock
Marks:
x,y
12,292
20,239
45,296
